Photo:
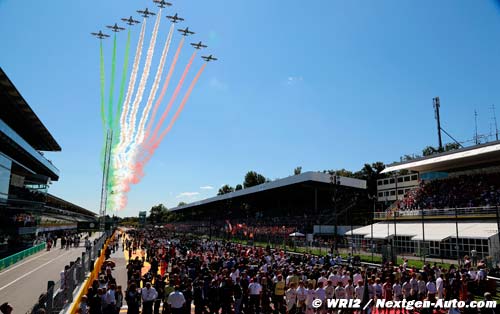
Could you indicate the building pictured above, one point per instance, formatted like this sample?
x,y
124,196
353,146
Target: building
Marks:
x,y
450,212
399,185
311,202
28,210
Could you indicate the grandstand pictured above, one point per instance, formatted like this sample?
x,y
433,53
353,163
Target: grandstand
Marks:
x,y
27,209
452,210
295,203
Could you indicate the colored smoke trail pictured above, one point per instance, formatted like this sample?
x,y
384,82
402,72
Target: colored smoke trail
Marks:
x,y
172,99
181,106
145,113
122,88
164,88
101,69
131,85
137,168
112,85
142,84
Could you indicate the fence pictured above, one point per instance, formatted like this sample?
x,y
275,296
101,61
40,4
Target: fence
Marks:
x,y
61,292
9,260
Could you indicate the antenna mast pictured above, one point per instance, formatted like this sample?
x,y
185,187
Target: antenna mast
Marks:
x,y
495,121
476,137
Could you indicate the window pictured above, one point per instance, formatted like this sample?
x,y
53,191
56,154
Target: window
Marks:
x,y
391,181
407,190
400,179
414,177
386,193
393,193
400,192
380,194
407,178
386,181
380,182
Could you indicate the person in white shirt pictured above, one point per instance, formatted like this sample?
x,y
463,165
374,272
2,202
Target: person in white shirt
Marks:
x,y
322,279
349,290
176,301
149,295
340,291
329,290
320,293
301,297
254,291
357,277
359,290
397,291
431,287
422,289
440,287
291,298
109,299
311,295
406,290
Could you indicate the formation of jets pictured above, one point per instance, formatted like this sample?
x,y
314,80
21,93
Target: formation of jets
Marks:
x,y
100,35
198,45
174,18
116,28
130,21
186,31
162,3
146,13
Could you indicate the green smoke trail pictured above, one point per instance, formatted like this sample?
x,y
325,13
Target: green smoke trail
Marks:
x,y
119,105
112,86
103,114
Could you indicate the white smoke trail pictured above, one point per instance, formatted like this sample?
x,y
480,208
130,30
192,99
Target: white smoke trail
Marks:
x,y
142,85
145,113
130,91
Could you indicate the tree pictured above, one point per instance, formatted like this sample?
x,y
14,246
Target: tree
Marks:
x,y
252,178
156,213
238,187
429,150
297,170
451,146
225,189
182,204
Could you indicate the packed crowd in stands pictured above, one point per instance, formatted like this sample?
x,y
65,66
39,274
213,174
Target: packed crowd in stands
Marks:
x,y
223,278
463,191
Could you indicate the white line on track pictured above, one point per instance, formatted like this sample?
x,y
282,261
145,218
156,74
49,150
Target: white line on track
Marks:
x,y
27,261
29,273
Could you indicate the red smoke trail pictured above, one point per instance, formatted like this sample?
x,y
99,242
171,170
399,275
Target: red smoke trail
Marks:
x,y
181,106
145,155
172,99
164,89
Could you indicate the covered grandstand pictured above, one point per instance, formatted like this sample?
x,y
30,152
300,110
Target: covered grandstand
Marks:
x,y
27,209
452,211
295,203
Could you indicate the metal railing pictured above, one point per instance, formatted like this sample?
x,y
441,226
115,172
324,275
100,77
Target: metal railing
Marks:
x,y
14,258
417,213
60,293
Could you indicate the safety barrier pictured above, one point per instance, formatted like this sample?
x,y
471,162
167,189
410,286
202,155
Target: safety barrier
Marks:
x,y
10,260
94,274
59,294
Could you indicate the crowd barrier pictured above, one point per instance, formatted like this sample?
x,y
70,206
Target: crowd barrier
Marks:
x,y
10,260
59,294
94,274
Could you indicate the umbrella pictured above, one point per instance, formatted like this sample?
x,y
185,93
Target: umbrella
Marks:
x,y
109,263
296,234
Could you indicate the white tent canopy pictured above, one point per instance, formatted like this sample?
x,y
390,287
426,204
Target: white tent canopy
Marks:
x,y
434,231
296,234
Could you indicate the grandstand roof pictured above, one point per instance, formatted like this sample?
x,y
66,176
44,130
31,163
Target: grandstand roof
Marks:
x,y
434,231
19,116
318,177
457,159
59,203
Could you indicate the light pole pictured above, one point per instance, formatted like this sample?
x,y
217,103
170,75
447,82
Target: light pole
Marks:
x,y
335,181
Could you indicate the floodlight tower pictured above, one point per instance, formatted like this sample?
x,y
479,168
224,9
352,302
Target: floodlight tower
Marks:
x,y
105,175
436,105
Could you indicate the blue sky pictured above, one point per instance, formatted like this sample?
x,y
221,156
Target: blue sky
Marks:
x,y
319,84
